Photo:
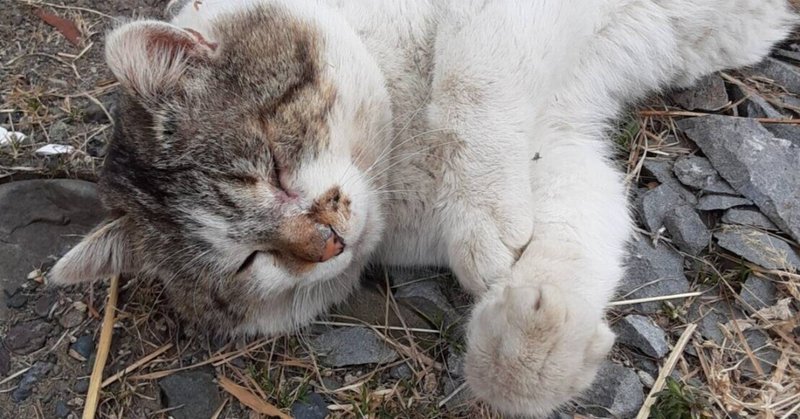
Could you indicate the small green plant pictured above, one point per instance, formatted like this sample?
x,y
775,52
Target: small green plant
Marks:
x,y
678,401
626,133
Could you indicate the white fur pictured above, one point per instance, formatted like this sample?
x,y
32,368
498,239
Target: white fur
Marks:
x,y
486,135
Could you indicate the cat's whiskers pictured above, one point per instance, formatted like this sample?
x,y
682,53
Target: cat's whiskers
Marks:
x,y
357,158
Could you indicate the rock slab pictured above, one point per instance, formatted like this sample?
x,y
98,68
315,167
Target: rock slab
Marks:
x,y
758,293
641,333
194,390
758,247
707,94
687,230
617,390
352,346
697,172
41,220
652,272
759,166
656,203
313,406
748,217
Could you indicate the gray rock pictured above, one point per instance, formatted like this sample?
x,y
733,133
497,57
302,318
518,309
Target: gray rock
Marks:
x,y
721,202
45,303
758,293
663,172
641,333
758,247
426,297
61,410
71,318
5,361
455,364
687,230
783,74
28,337
617,391
313,406
697,172
25,387
652,272
707,94
789,132
84,346
755,163
369,306
748,217
17,301
58,132
656,203
401,372
764,351
758,107
352,346
194,390
709,315
41,220
81,386
462,398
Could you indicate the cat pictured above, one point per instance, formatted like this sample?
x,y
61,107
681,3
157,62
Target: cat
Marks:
x,y
266,151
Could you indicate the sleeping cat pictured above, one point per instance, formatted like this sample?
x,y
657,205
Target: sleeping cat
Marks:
x,y
266,151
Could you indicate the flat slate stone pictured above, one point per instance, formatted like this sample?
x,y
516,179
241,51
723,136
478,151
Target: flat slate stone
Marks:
x,y
352,346
663,172
41,220
687,230
652,272
194,390
656,203
697,172
758,247
758,293
789,132
617,391
640,332
721,202
758,165
748,217
707,94
782,73
313,406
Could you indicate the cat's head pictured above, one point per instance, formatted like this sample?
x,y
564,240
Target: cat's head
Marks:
x,y
246,154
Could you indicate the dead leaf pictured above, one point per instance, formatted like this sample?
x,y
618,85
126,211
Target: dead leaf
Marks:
x,y
779,311
65,26
247,398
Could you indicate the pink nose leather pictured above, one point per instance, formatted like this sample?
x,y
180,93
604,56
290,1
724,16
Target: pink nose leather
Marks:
x,y
334,246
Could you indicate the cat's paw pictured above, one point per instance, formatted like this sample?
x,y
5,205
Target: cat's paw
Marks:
x,y
530,349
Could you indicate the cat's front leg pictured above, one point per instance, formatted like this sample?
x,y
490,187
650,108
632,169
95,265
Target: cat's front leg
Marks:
x,y
537,340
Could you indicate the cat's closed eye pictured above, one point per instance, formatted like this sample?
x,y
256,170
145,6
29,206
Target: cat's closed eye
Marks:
x,y
247,262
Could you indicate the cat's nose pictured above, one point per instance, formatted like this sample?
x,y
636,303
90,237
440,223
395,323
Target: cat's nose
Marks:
x,y
334,246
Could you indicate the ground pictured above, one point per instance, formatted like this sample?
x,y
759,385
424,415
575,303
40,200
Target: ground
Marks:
x,y
710,300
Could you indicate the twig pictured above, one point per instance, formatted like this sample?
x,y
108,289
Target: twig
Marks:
x,y
93,394
687,113
657,298
666,370
135,365
14,375
453,394
394,328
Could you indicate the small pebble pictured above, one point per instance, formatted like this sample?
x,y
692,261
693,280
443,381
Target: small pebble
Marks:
x,y
83,346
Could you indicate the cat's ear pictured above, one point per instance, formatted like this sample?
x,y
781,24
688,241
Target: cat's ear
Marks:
x,y
148,57
106,251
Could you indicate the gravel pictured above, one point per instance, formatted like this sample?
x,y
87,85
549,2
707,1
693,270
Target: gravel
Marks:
x,y
352,346
758,247
641,333
687,230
